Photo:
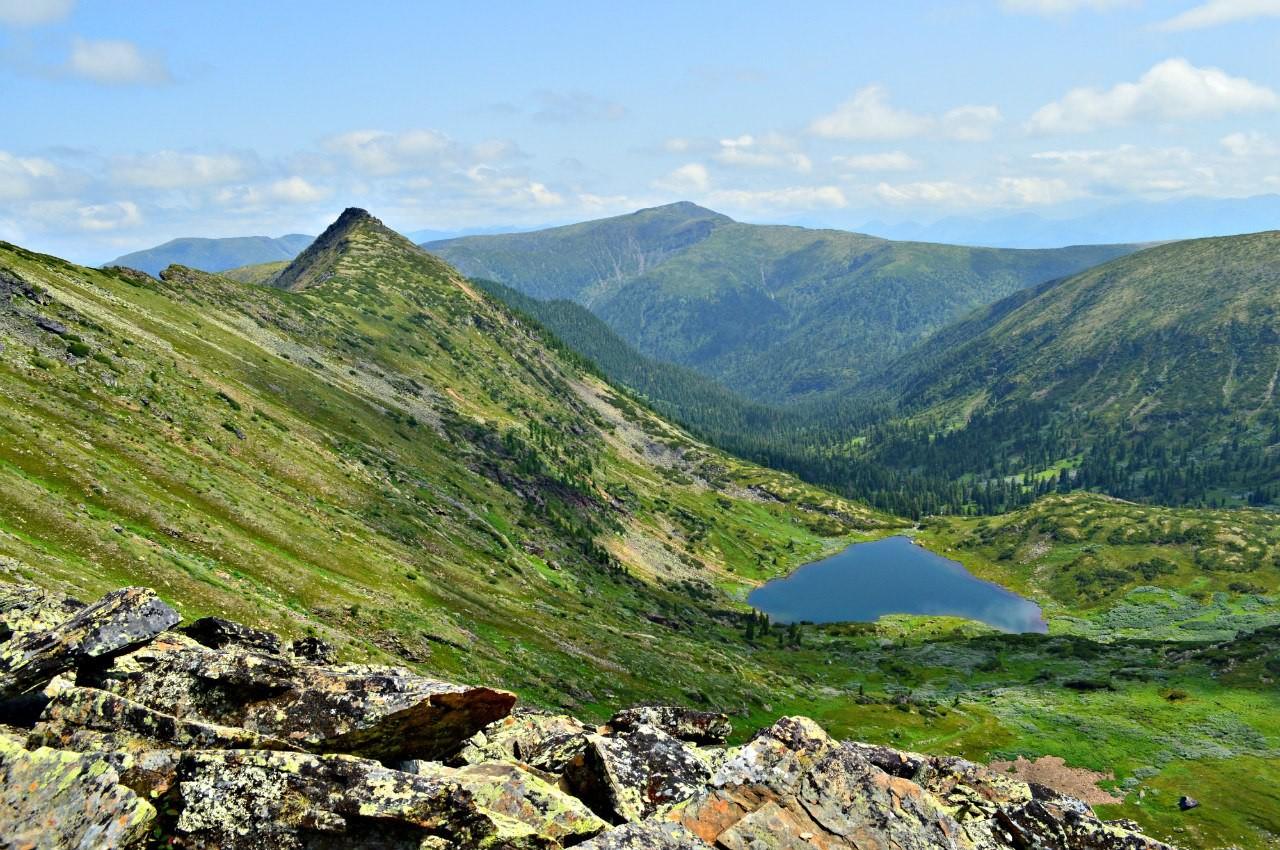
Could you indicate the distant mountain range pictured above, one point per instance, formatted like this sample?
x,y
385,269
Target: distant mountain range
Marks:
x,y
215,255
776,313
220,255
1164,221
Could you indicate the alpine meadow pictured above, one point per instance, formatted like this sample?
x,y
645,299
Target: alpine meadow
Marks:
x,y
712,427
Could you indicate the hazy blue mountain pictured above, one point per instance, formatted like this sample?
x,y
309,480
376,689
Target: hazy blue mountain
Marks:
x,y
1189,218
215,255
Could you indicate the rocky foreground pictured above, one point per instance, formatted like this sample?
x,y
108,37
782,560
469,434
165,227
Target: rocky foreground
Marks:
x,y
123,729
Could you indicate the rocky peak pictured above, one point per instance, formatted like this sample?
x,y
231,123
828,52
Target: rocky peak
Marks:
x,y
319,261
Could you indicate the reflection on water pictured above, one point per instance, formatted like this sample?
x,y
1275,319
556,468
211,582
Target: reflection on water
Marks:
x,y
892,576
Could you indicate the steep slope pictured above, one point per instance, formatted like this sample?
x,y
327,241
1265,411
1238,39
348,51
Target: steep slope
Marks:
x,y
215,255
387,458
1154,375
776,313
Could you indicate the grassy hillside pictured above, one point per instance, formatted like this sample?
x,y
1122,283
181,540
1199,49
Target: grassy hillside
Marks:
x,y
776,313
388,458
393,460
215,255
1152,376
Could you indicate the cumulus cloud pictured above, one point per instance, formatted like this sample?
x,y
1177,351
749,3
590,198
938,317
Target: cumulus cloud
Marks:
x,y
1173,90
1250,144
381,153
29,13
869,115
175,170
292,190
888,161
23,177
115,63
1002,192
1218,12
575,107
1061,7
787,198
116,215
971,123
691,177
1129,168
773,151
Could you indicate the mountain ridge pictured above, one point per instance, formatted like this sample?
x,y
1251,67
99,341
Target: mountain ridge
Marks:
x,y
776,313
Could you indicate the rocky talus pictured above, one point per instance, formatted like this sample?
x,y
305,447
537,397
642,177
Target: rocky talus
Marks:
x,y
124,729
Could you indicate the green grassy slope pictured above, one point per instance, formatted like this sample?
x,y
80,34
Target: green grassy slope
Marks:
x,y
388,458
215,255
777,313
1154,375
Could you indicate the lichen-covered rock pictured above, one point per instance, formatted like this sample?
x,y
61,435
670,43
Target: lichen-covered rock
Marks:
x,y
546,742
84,719
793,786
120,620
238,800
55,799
25,608
313,649
215,633
636,775
687,724
646,835
506,789
386,713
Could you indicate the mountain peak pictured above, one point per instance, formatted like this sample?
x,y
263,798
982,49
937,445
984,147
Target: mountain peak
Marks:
x,y
683,209
354,227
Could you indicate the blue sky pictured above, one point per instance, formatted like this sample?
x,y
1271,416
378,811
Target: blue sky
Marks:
x,y
128,123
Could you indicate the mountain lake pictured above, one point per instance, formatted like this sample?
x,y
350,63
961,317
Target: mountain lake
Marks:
x,y
892,576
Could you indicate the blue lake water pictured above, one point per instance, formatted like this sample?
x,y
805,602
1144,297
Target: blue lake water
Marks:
x,y
892,576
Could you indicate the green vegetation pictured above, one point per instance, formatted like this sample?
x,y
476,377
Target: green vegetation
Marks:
x,y
388,457
776,313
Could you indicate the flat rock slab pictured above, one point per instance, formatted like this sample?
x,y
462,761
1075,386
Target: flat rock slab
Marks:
x,y
115,623
215,633
546,742
504,788
386,713
83,719
634,776
687,724
647,835
55,799
237,800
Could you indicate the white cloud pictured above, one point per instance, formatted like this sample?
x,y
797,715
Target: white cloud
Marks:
x,y
1061,7
22,177
971,123
888,161
691,177
380,153
1251,144
28,13
1003,192
788,198
869,115
1217,12
175,170
773,151
293,190
1173,90
678,144
116,63
115,215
